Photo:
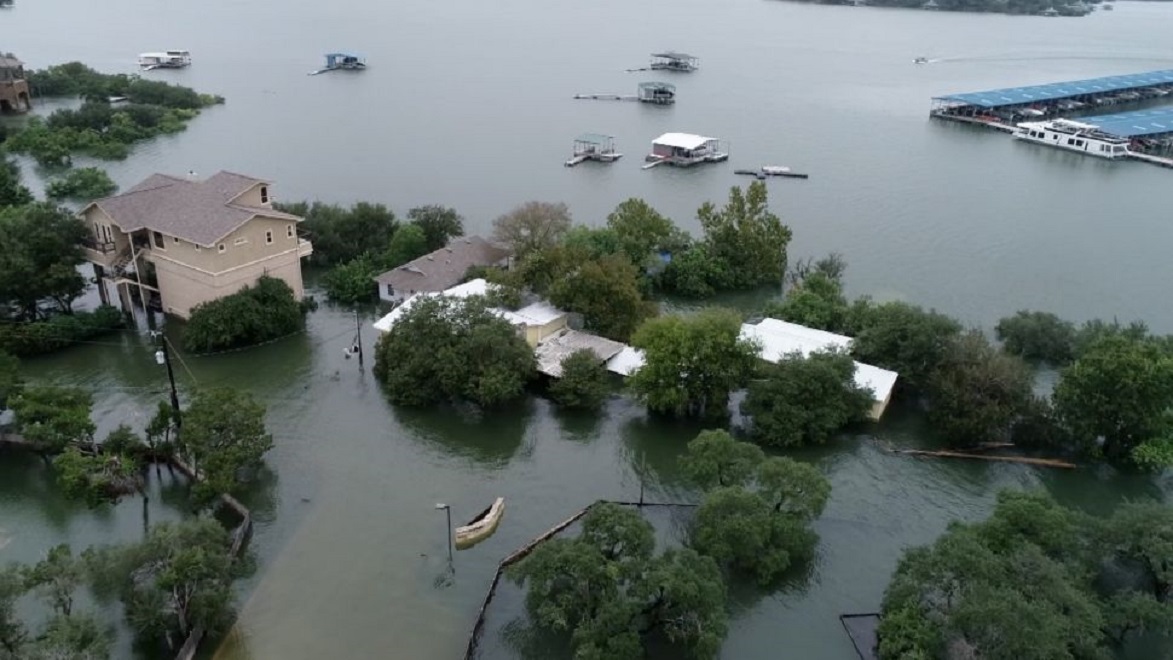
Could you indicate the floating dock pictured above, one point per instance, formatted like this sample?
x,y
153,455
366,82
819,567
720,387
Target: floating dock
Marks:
x,y
772,170
593,146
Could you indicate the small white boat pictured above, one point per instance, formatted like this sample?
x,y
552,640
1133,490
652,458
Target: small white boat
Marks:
x,y
169,59
481,527
921,60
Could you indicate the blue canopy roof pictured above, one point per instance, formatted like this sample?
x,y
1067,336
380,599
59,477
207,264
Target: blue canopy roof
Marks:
x,y
1134,124
1061,90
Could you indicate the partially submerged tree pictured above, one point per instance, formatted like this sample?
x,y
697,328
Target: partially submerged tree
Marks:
x,y
746,236
444,349
804,400
583,383
56,579
1038,336
714,458
53,418
42,250
10,378
692,364
607,293
640,229
607,591
260,313
103,474
223,436
903,338
342,234
815,301
1116,399
976,392
532,226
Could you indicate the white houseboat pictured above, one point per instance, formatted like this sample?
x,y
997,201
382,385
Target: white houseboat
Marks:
x,y
1073,136
170,59
684,149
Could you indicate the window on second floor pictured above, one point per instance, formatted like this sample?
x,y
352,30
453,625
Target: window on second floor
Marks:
x,y
158,240
269,237
221,247
289,231
264,194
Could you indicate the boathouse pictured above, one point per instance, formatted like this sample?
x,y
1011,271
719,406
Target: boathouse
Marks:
x,y
778,339
440,270
673,61
684,149
657,93
14,88
593,146
1146,128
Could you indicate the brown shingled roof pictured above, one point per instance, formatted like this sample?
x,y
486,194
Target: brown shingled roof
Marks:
x,y
445,267
198,211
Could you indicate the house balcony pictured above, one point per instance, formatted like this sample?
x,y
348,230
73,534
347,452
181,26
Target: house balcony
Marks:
x,y
102,253
304,247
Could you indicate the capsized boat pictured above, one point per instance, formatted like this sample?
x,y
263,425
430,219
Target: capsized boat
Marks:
x,y
481,527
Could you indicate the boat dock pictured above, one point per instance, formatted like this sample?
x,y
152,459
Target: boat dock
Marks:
x,y
656,93
593,146
772,170
1149,132
606,97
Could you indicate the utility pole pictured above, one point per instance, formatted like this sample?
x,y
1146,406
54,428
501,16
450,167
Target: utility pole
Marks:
x,y
163,356
358,336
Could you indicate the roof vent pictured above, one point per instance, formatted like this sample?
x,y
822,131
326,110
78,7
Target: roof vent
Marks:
x,y
431,258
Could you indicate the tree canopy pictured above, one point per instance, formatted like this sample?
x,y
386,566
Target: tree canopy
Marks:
x,y
1038,336
341,234
42,250
533,226
607,293
1034,580
976,392
444,349
1116,399
439,224
10,379
641,230
756,512
12,191
609,593
223,435
86,183
253,315
816,301
903,338
692,363
583,383
805,400
52,418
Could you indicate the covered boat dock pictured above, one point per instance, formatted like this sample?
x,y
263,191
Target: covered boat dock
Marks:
x,y
1015,104
1150,133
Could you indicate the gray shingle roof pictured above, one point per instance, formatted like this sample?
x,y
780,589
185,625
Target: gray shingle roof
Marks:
x,y
445,267
9,61
202,212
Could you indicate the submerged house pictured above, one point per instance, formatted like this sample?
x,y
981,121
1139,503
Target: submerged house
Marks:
x,y
440,270
14,88
779,339
179,242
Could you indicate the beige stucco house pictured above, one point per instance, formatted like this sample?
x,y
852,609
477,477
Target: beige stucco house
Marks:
x,y
202,240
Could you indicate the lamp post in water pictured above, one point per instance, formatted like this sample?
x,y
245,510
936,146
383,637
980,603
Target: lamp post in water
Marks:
x,y
448,529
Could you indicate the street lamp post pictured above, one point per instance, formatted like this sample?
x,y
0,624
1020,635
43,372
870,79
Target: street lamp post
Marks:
x,y
448,529
163,356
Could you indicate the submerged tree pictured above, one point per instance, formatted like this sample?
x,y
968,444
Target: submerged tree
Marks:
x,y
42,250
1038,336
692,364
804,400
606,291
640,230
106,474
583,383
747,237
607,591
10,378
444,349
714,459
52,418
976,392
439,224
903,338
223,435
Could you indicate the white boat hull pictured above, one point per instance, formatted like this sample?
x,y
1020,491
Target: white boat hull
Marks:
x,y
1084,142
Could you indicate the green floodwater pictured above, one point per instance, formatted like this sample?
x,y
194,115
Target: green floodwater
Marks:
x,y
468,104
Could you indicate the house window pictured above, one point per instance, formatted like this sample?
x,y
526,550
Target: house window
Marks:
x,y
158,240
240,241
264,194
220,248
269,237
174,239
289,231
390,290
197,247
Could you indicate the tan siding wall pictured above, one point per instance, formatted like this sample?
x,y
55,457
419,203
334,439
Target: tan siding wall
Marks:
x,y
536,333
252,196
182,288
252,249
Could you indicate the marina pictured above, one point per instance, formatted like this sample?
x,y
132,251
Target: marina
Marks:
x,y
593,146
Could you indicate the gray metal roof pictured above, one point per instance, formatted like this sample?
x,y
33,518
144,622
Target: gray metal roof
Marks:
x,y
594,138
444,268
673,55
202,212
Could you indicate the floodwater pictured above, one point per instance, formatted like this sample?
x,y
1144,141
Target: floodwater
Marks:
x,y
468,104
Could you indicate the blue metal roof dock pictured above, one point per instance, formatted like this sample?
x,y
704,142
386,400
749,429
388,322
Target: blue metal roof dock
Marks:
x,y
1062,90
1142,123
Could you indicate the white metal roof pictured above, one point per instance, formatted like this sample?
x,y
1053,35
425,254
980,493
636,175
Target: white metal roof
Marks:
x,y
682,140
626,362
538,313
779,339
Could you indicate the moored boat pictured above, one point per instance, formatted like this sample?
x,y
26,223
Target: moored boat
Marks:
x,y
1073,136
481,527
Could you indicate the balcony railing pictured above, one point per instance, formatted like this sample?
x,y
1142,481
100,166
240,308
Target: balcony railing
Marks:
x,y
105,247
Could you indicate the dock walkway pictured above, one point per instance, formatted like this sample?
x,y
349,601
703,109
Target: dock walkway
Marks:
x,y
1155,160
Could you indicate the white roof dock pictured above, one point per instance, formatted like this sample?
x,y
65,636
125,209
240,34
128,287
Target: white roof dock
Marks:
x,y
552,351
683,140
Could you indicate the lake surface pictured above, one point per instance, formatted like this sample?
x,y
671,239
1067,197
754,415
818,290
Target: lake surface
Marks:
x,y
469,104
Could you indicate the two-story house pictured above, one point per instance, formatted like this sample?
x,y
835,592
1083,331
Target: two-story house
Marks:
x,y
14,88
191,241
